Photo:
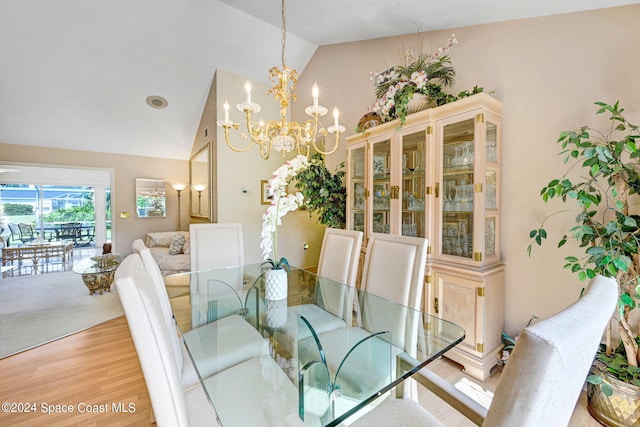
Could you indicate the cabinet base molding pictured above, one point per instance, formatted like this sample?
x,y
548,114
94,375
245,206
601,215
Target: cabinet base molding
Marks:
x,y
477,367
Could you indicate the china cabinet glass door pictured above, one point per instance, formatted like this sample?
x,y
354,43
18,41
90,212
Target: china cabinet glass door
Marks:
x,y
458,159
357,167
413,185
381,190
491,194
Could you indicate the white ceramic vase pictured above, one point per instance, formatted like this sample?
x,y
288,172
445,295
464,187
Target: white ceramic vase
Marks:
x,y
275,287
418,102
276,314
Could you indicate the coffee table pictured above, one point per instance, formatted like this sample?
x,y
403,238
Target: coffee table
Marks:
x,y
97,272
36,252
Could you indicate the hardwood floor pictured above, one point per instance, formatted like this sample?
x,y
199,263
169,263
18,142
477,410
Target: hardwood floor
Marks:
x,y
100,366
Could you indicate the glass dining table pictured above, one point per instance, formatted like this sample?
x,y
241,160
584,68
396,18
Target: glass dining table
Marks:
x,y
338,348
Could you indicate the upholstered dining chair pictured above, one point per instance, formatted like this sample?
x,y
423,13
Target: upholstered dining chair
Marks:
x,y
171,405
394,270
233,339
339,260
175,405
138,245
214,246
542,380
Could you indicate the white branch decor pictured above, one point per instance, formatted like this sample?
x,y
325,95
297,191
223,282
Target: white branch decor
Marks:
x,y
281,204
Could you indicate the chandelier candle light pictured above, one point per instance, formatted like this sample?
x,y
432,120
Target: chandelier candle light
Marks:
x,y
283,135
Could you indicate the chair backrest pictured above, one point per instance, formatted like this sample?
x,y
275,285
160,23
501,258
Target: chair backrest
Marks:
x,y
339,260
216,246
152,342
213,246
339,255
70,230
394,269
15,232
546,371
153,270
26,232
134,265
138,245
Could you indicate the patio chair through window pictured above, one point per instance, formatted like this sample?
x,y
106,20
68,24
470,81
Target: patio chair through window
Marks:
x,y
70,231
22,233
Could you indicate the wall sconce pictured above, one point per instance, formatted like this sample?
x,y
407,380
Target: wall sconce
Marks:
x,y
199,188
179,187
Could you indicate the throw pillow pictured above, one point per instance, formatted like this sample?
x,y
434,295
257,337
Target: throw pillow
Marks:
x,y
177,242
186,248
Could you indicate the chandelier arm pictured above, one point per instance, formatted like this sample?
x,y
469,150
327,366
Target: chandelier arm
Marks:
x,y
226,138
324,138
304,150
265,151
256,130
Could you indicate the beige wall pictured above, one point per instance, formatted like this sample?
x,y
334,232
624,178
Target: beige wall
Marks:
x,y
126,170
548,72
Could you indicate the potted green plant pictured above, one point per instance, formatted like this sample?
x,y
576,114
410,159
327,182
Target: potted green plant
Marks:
x,y
324,191
603,182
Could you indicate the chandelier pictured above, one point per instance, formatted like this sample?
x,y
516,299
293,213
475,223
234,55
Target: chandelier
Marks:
x,y
282,135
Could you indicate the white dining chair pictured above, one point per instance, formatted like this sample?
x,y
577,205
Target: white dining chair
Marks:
x,y
339,260
256,379
542,380
171,405
214,246
138,245
394,270
230,338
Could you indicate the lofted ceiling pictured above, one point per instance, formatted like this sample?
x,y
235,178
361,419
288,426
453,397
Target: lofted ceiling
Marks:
x,y
76,73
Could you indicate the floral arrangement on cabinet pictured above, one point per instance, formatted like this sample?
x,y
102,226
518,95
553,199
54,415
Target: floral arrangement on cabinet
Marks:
x,y
424,75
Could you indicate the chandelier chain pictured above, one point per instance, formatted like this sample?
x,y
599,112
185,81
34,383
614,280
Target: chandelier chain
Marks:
x,y
284,33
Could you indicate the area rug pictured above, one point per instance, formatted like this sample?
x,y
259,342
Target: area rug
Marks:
x,y
35,310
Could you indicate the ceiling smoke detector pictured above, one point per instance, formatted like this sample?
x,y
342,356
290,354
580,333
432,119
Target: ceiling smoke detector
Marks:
x,y
157,102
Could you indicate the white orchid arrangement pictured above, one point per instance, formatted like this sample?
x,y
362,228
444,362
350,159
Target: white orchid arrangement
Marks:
x,y
281,204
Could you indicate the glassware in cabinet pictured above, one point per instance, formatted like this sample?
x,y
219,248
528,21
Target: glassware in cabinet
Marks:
x,y
413,183
381,189
458,160
357,200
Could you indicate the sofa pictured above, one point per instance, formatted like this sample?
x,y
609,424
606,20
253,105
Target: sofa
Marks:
x,y
171,250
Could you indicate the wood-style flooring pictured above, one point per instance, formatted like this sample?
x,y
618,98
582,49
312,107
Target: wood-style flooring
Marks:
x,y
100,366
93,370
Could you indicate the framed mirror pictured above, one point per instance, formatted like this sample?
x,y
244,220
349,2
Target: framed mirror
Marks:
x,y
150,198
200,176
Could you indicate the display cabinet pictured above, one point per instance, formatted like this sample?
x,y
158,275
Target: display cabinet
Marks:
x,y
438,176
